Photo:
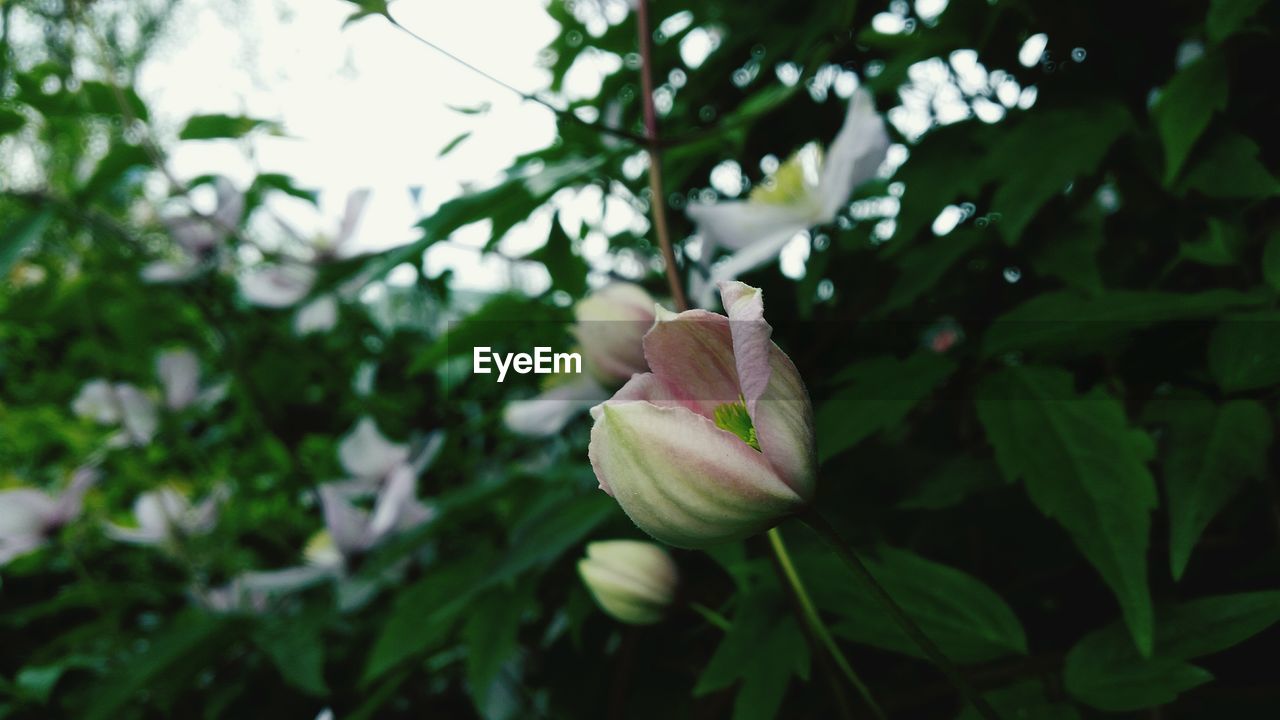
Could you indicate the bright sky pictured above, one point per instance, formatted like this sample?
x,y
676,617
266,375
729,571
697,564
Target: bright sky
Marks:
x,y
364,106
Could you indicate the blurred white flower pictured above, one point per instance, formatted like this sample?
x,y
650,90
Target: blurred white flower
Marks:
x,y
120,403
319,315
549,412
807,190
166,515
366,453
29,517
179,373
278,285
197,237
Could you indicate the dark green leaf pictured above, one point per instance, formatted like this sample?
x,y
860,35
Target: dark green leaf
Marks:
x,y
1083,466
1271,261
491,639
1227,16
1070,253
568,271
956,480
453,144
1024,701
1221,247
1244,351
876,394
1229,168
296,648
19,235
967,619
921,267
1211,452
114,169
1104,671
1186,105
11,121
945,166
546,535
1065,319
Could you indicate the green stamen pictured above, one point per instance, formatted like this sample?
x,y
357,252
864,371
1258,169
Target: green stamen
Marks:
x,y
787,186
734,418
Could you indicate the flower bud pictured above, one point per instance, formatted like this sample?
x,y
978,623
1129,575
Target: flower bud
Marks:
x,y
611,325
716,443
631,580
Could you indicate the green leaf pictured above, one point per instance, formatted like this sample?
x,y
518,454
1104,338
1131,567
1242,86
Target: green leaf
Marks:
x,y
965,617
1104,671
1229,168
453,144
20,234
1070,253
1219,249
1026,700
568,271
281,183
215,127
425,612
491,639
11,121
544,537
1032,171
296,648
115,167
1244,351
1211,452
763,649
920,268
1068,320
481,109
1186,106
1271,261
876,394
1083,466
1227,16
957,479
367,8
945,166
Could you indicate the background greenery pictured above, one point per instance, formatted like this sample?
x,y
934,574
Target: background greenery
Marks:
x,y
1077,501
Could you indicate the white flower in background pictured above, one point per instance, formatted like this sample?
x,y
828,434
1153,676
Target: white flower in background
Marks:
x,y
319,315
197,237
809,189
610,324
30,517
233,597
385,472
287,282
179,374
166,515
121,404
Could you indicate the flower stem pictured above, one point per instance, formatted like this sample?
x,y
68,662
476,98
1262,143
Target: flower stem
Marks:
x,y
908,626
814,621
658,197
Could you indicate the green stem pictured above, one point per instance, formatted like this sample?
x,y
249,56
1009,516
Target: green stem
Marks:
x,y
711,616
913,631
814,621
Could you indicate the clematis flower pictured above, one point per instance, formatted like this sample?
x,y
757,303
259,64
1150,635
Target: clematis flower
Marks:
x,y
366,453
287,282
610,324
716,443
809,189
167,515
30,517
122,404
632,581
179,374
197,237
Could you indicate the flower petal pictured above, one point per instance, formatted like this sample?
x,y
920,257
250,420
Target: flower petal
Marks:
x,y
139,413
347,524
319,315
775,395
277,286
179,373
366,453
683,480
738,224
23,513
692,356
742,261
548,413
854,156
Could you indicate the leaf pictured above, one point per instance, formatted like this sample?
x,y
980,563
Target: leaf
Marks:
x,y
481,109
115,166
947,164
1083,466
568,270
1211,452
296,648
920,268
425,612
11,121
1271,261
1104,671
491,639
1067,319
20,234
176,653
1186,106
961,614
1244,351
1032,167
877,394
1219,249
1070,253
1227,16
453,144
281,183
763,649
1025,700
367,8
957,479
1229,168
544,537
215,127
482,328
